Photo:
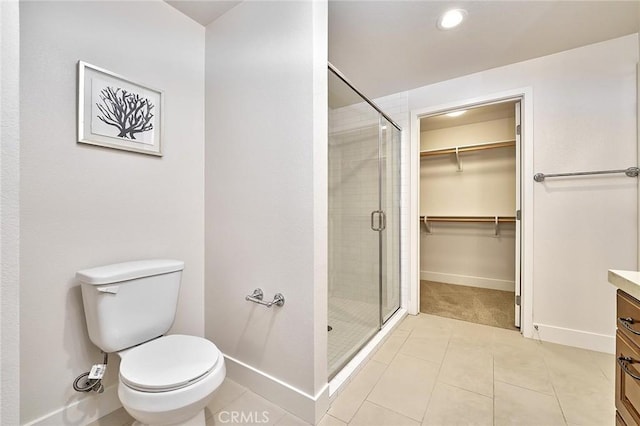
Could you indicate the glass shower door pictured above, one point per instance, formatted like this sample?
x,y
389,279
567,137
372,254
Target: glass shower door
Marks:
x,y
354,257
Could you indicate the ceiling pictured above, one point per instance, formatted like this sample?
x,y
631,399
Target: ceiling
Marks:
x,y
472,115
385,47
203,11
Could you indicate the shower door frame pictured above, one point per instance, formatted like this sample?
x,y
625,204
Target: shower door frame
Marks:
x,y
383,177
381,218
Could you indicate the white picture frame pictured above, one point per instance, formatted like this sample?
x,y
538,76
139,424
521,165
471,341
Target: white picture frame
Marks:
x,y
115,112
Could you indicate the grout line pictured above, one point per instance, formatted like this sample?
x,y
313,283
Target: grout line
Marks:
x,y
425,360
493,376
393,411
435,382
400,347
466,390
366,398
228,403
333,417
599,365
494,404
386,366
524,388
555,393
362,367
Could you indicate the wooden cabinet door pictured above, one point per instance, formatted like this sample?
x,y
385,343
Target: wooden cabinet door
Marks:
x,y
619,421
628,310
627,386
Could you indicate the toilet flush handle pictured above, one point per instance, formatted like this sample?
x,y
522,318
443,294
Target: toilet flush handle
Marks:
x,y
112,289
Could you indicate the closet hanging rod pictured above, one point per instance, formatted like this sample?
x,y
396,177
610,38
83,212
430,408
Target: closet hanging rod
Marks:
x,y
490,219
468,148
631,172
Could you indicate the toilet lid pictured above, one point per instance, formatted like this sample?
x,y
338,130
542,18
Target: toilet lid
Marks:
x,y
168,363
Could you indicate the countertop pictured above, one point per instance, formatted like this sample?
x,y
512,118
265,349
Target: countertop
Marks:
x,y
627,281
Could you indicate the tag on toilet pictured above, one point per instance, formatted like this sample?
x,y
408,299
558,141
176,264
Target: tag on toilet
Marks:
x,y
97,371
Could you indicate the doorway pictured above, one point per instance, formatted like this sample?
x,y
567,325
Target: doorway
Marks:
x,y
470,213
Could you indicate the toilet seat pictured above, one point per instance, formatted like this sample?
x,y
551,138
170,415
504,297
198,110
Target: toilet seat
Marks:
x,y
168,363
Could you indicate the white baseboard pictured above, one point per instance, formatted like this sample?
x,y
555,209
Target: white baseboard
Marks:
x,y
309,408
92,407
470,281
82,411
576,338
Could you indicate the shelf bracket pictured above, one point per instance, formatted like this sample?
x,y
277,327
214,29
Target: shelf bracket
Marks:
x,y
458,159
426,224
497,233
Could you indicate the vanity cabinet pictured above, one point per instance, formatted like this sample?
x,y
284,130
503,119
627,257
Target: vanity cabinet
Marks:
x,y
627,360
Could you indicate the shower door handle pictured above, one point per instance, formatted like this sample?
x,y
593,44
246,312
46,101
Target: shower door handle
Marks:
x,y
382,220
373,214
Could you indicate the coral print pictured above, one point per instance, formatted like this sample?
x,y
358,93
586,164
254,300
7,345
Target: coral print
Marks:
x,y
128,112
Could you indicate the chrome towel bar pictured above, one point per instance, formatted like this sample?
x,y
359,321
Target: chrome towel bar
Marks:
x,y
258,295
631,172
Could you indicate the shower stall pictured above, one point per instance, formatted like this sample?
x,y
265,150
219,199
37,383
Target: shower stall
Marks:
x,y
364,220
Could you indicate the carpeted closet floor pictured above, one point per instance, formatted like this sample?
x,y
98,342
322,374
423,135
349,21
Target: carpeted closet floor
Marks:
x,y
478,305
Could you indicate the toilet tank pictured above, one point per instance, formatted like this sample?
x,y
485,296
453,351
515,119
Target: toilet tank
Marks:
x,y
129,303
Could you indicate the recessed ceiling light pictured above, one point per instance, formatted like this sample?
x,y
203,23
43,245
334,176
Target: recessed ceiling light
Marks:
x,y
455,113
451,18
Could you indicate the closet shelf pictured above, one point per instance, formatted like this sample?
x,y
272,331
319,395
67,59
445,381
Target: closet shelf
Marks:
x,y
468,148
491,219
495,220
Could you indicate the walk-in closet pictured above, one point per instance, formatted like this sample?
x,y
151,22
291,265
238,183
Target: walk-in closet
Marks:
x,y
469,201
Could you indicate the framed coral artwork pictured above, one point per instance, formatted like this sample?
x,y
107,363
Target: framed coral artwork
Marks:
x,y
115,112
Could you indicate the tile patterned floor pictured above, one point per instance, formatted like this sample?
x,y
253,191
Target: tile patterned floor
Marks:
x,y
439,371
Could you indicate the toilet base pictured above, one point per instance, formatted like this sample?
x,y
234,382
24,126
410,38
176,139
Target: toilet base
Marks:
x,y
197,420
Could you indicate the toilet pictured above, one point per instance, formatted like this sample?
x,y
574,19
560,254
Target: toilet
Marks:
x,y
163,379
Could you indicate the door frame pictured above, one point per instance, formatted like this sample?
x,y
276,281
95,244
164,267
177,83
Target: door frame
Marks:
x,y
525,95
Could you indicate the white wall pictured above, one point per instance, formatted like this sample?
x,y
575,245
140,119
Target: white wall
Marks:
x,y
486,184
584,117
500,129
9,214
266,202
84,206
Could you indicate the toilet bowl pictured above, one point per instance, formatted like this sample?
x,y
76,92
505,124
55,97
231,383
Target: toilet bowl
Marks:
x,y
164,379
170,380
